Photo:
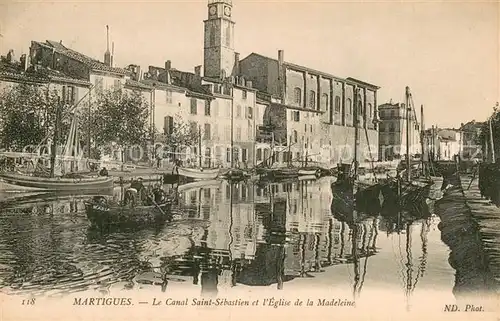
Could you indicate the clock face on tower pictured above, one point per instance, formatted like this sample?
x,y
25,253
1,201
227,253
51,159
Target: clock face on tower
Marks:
x,y
227,11
212,10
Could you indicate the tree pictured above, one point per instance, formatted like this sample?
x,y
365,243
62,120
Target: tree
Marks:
x,y
27,116
182,134
484,137
118,117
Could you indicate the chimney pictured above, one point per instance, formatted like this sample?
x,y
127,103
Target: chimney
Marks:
x,y
112,53
137,73
168,65
281,78
197,71
280,57
107,55
236,63
24,61
249,84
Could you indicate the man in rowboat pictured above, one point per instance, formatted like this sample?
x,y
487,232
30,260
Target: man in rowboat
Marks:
x,y
135,193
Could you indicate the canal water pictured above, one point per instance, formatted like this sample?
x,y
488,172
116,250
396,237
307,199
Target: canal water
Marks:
x,y
227,239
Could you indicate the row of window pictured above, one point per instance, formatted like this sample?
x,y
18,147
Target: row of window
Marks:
x,y
389,127
69,95
99,84
389,113
207,130
264,154
208,110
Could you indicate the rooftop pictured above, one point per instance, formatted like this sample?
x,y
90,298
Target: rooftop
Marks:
x,y
90,62
314,71
15,72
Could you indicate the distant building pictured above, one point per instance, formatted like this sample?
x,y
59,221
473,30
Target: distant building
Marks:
x,y
449,144
14,73
392,132
102,75
224,110
318,108
470,146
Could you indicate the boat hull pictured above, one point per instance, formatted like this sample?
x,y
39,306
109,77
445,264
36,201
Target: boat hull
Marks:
x,y
198,174
103,216
58,184
309,172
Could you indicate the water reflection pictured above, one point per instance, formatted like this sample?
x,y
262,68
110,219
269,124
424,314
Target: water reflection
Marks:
x,y
223,236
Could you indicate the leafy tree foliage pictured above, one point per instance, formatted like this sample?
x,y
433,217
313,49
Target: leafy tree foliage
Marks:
x,y
118,116
27,116
484,136
182,135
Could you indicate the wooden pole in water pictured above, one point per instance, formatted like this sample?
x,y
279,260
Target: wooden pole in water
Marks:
x,y
55,139
199,145
422,139
408,169
356,133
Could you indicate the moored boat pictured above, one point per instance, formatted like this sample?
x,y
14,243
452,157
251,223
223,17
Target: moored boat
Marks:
x,y
77,183
198,174
309,171
236,174
102,214
198,184
281,173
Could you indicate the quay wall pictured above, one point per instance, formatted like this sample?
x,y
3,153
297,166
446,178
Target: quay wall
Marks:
x,y
461,233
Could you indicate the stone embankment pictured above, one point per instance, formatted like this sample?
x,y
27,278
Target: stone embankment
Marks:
x,y
463,230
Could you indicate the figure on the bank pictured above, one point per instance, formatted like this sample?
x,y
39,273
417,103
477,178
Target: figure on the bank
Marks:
x,y
103,172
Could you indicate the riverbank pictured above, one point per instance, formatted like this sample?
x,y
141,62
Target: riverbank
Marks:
x,y
462,233
487,216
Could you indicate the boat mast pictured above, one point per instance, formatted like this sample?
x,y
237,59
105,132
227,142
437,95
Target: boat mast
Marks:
x,y
55,138
199,145
422,139
356,131
408,170
232,128
491,138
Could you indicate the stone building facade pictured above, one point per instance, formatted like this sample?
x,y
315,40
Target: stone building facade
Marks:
x,y
392,131
320,109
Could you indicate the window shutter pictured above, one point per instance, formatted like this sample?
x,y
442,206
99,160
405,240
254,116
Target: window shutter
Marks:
x,y
63,96
75,95
171,124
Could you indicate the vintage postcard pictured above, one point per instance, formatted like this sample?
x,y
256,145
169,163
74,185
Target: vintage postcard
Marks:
x,y
245,160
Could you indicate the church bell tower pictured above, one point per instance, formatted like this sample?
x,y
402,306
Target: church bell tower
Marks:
x,y
219,40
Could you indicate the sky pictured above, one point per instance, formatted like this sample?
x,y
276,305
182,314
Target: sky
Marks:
x,y
448,53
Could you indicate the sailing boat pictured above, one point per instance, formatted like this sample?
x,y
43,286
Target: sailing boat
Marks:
x,y
349,192
63,175
412,193
199,173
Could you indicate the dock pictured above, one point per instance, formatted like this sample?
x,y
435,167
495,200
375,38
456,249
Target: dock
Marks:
x,y
466,228
487,216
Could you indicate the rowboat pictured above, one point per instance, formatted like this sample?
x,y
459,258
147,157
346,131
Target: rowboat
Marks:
x,y
102,214
198,174
19,200
309,171
283,173
198,184
58,183
236,174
